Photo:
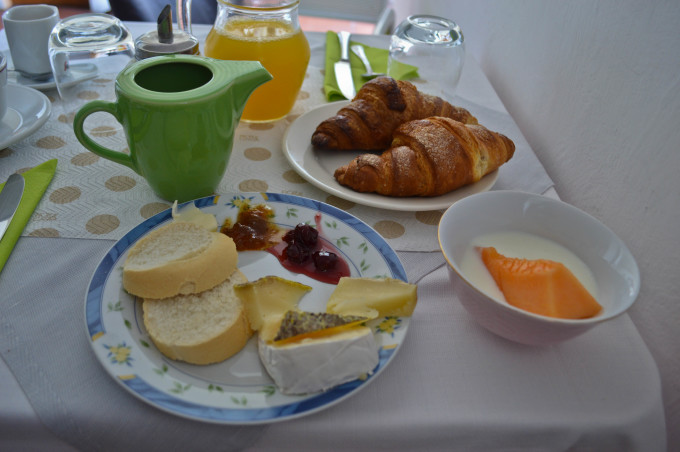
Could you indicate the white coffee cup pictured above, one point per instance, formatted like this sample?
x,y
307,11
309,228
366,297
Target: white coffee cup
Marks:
x,y
28,30
3,86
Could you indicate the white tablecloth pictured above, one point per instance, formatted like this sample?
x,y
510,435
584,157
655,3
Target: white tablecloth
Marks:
x,y
453,386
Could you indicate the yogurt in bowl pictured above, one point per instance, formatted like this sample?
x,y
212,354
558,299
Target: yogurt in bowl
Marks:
x,y
531,226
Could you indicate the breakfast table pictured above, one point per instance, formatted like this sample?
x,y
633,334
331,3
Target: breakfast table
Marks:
x,y
451,386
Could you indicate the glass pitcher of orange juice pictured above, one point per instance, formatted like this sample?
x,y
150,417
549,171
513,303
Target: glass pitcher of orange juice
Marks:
x,y
267,31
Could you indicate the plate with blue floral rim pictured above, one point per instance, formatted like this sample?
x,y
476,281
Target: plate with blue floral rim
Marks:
x,y
238,390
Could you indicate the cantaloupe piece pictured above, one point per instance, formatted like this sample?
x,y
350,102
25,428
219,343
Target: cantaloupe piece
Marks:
x,y
540,286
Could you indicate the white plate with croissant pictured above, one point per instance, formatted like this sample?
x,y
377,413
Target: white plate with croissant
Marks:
x,y
320,166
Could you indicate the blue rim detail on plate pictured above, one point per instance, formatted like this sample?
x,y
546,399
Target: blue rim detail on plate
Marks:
x,y
176,405
298,406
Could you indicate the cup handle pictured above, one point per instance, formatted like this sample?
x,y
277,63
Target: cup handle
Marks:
x,y
89,143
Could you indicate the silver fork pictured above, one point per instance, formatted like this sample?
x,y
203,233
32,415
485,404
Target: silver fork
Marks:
x,y
359,51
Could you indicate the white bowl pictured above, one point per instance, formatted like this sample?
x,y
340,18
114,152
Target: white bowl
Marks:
x,y
612,265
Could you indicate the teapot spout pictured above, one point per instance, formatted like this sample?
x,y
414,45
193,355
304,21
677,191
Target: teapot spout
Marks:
x,y
251,75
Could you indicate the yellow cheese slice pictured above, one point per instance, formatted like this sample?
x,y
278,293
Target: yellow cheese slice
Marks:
x,y
267,299
192,214
372,298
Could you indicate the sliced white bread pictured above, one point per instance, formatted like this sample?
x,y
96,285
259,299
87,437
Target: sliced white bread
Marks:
x,y
179,258
203,328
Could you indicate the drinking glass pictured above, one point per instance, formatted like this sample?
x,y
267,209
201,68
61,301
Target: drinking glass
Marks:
x,y
84,37
435,46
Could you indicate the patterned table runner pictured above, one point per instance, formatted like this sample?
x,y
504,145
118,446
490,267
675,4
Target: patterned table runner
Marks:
x,y
91,197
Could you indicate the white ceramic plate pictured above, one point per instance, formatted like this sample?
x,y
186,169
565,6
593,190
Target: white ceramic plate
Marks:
x,y
77,73
317,167
238,390
27,111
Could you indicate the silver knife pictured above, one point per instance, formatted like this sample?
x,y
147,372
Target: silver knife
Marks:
x,y
343,70
10,197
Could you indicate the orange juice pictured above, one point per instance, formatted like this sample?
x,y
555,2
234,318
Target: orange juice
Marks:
x,y
281,48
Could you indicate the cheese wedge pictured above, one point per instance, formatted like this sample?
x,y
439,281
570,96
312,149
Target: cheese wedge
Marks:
x,y
372,298
192,214
267,299
318,364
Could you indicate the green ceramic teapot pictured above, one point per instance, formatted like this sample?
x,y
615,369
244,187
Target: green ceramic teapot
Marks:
x,y
179,113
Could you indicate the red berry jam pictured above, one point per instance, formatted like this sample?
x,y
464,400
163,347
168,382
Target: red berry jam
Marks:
x,y
300,250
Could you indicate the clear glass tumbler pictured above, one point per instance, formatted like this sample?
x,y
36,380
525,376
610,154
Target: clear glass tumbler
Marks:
x,y
85,37
435,46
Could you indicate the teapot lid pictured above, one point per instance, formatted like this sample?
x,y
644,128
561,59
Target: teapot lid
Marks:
x,y
164,40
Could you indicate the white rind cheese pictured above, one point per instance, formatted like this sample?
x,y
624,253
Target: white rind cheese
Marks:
x,y
318,364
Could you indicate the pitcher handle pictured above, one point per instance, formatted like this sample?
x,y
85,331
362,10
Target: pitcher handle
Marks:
x,y
89,143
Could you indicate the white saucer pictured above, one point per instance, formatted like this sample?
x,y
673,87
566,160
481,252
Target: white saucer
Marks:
x,y
77,73
27,111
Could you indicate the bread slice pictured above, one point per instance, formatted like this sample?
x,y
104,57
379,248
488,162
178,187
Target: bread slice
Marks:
x,y
202,328
179,258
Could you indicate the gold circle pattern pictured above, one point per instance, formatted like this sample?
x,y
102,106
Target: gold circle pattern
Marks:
x,y
293,177
389,229
151,209
50,142
103,131
102,224
430,217
340,203
253,185
88,95
260,125
257,154
65,195
85,159
44,232
120,183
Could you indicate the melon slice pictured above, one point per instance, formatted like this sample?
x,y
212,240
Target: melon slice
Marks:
x,y
540,286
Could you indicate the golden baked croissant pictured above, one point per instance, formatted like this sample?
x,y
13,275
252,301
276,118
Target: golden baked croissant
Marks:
x,y
380,106
428,157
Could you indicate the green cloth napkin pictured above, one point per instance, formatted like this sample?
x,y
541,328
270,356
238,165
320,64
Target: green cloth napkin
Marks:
x,y
377,57
36,181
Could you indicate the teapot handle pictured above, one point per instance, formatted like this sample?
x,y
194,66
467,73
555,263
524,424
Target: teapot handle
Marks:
x,y
184,15
89,143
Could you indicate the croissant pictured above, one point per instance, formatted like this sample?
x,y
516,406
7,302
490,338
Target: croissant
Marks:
x,y
380,106
428,157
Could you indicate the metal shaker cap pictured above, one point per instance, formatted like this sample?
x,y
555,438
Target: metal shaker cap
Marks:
x,y
164,40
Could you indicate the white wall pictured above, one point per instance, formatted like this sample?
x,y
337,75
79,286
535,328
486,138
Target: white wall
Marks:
x,y
595,89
